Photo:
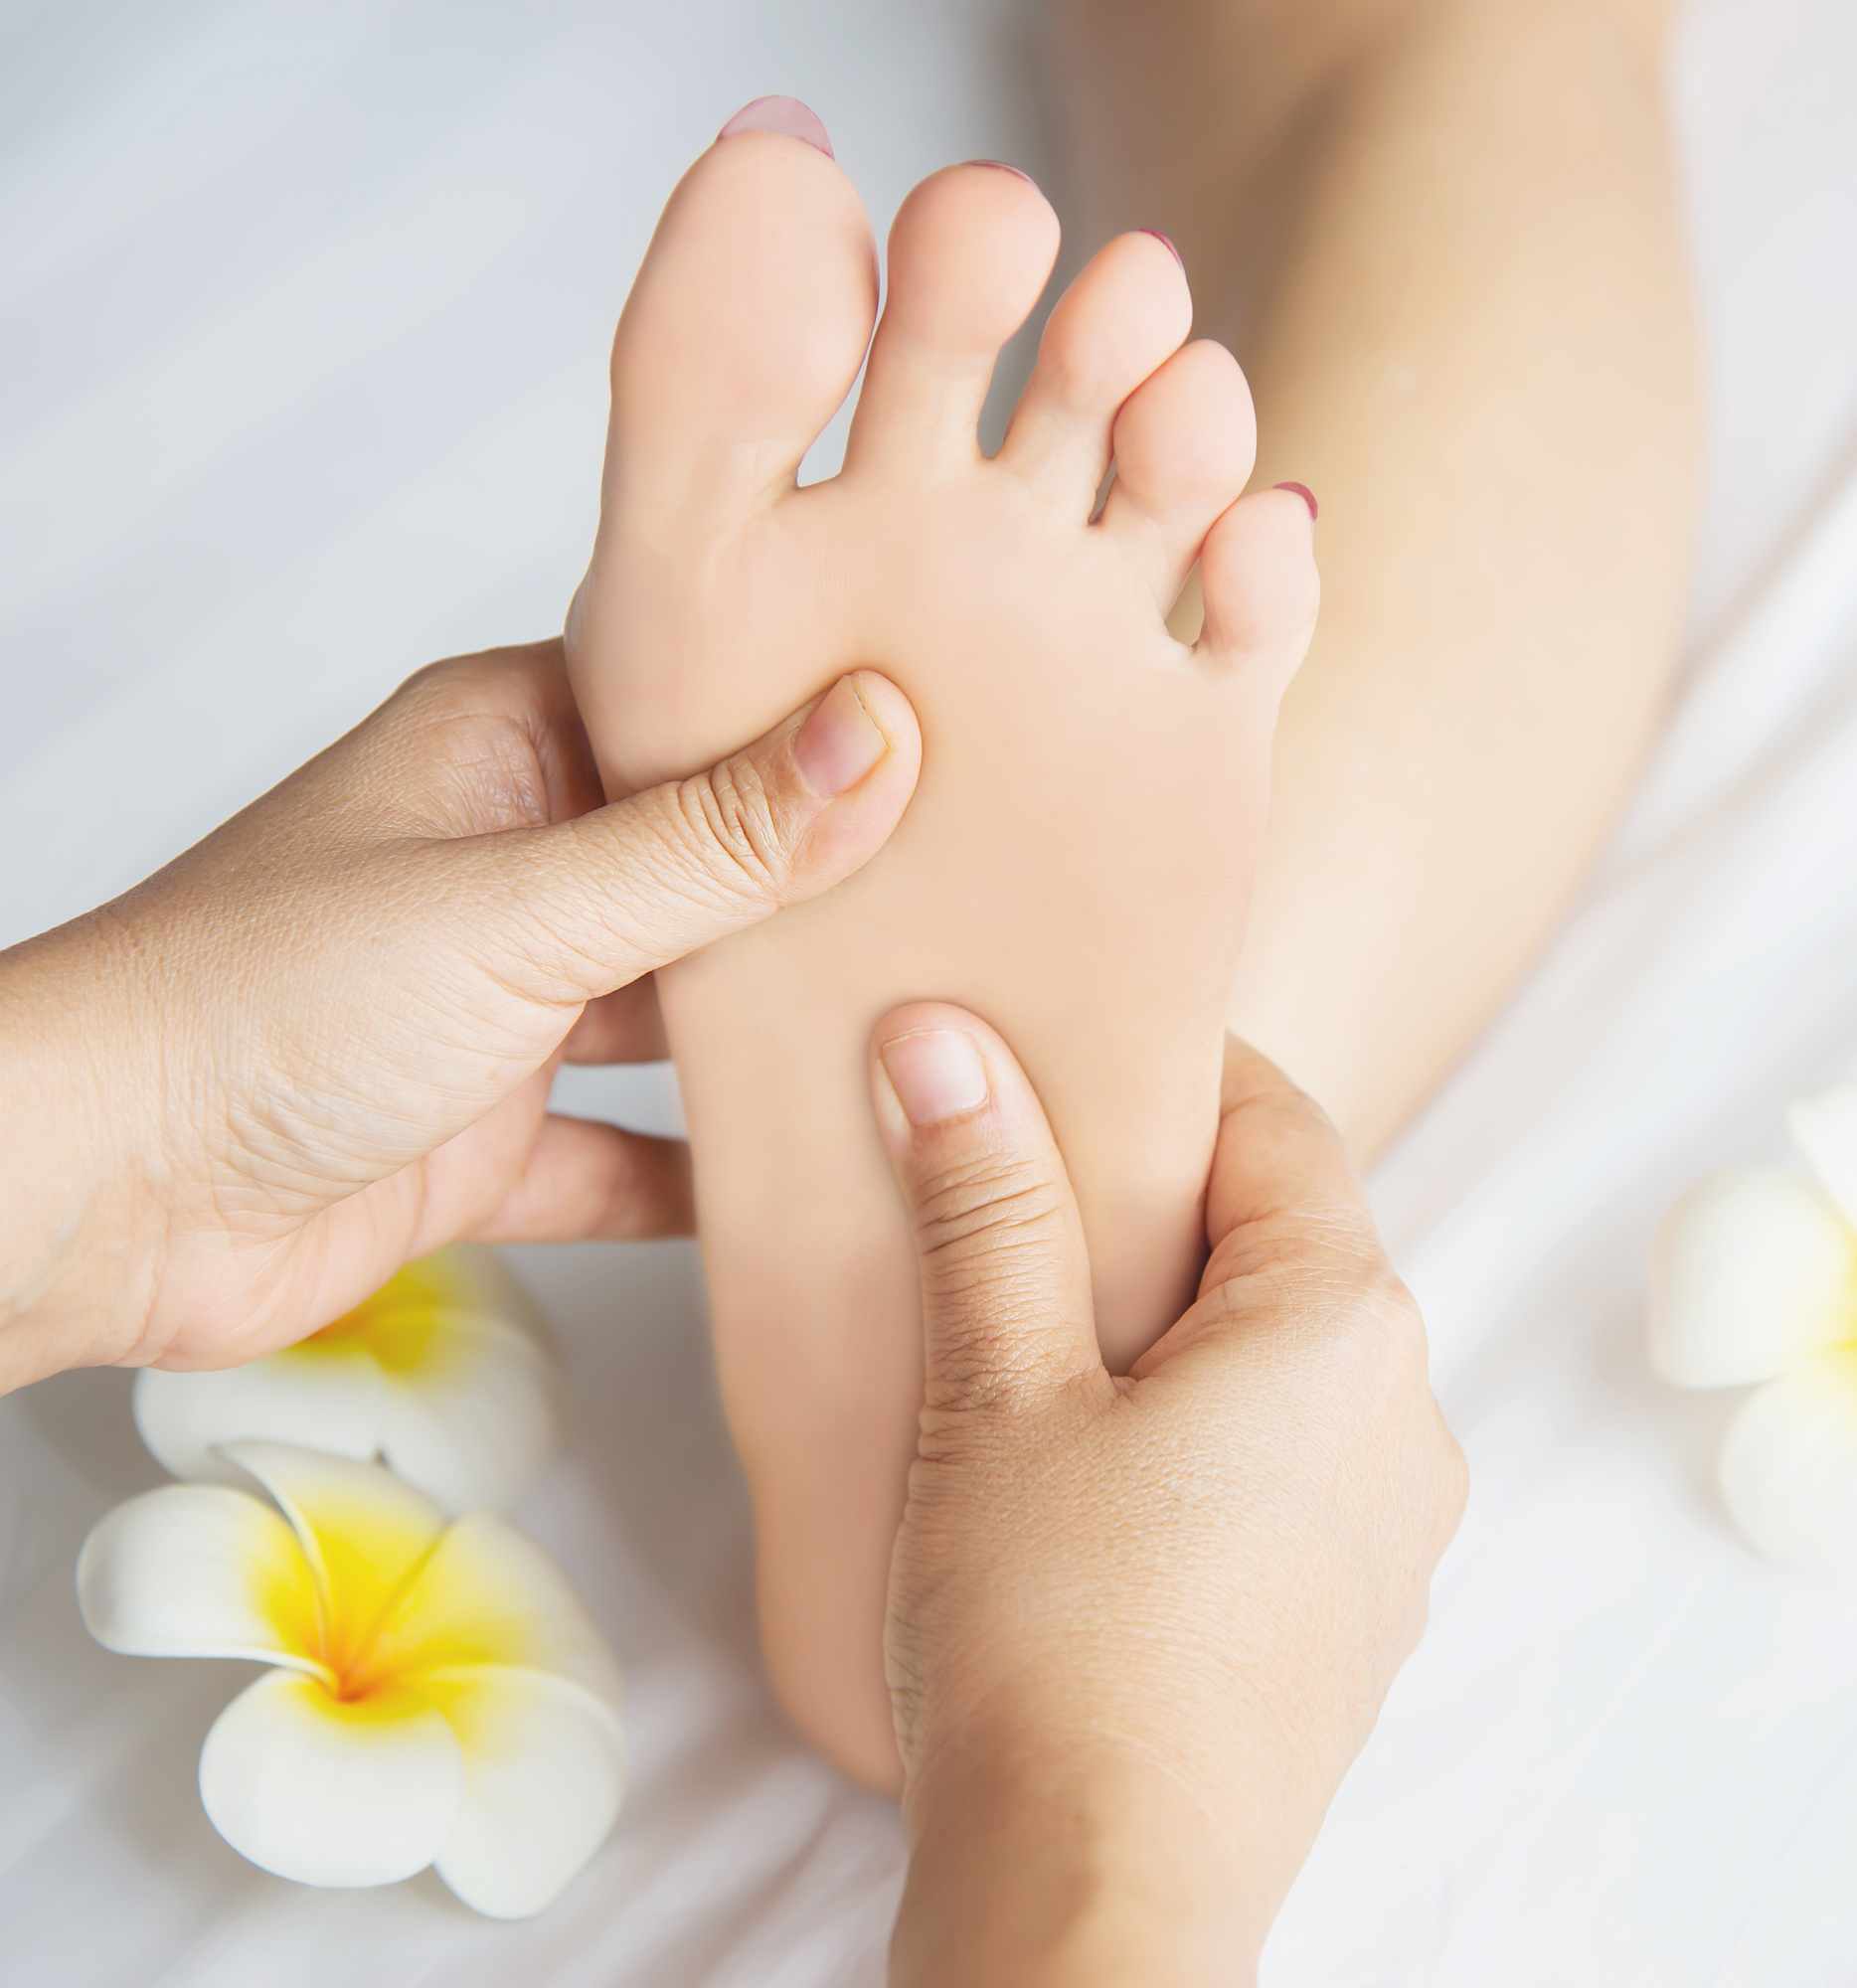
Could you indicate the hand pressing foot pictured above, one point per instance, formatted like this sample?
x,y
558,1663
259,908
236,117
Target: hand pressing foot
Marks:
x,y
1076,860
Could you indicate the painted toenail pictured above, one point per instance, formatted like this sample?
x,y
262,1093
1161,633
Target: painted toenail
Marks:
x,y
1000,166
1166,243
838,745
784,114
1307,495
935,1074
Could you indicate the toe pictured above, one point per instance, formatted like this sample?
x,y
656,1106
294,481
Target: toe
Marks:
x,y
969,256
1184,444
1121,319
746,324
1257,571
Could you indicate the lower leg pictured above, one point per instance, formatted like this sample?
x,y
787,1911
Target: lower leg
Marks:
x,y
1446,240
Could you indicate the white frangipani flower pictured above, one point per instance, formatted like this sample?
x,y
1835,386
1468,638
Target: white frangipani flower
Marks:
x,y
442,1372
1755,1280
436,1694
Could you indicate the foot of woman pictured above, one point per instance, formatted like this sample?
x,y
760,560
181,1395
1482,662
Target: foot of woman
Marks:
x,y
1078,855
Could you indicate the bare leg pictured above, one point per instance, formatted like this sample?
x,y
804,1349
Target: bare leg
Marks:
x,y
1443,237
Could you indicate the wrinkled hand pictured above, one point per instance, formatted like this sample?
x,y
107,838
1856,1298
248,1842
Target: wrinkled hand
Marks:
x,y
1138,1628
320,1043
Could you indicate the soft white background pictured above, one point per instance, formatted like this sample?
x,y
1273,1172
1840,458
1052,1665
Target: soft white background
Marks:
x,y
303,309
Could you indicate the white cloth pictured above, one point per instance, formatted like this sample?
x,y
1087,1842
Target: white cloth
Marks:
x,y
303,311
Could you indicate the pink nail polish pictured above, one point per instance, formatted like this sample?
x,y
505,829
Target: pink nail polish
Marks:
x,y
1000,166
1166,242
784,114
1307,495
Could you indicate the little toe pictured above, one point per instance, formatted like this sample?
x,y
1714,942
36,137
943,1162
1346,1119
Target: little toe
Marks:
x,y
1257,571
1183,443
746,323
971,252
1128,310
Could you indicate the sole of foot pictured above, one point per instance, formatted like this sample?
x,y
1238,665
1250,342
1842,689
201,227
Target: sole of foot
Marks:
x,y
1076,860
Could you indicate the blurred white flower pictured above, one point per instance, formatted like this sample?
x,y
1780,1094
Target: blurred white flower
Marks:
x,y
443,1372
1755,1280
437,1694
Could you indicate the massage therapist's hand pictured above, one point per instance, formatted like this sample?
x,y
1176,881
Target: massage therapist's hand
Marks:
x,y
233,1101
1138,1628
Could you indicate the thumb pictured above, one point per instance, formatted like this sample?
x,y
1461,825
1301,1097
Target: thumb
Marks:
x,y
594,902
1005,1279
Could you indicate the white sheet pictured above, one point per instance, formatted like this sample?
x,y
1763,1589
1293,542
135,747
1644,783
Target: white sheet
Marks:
x,y
302,312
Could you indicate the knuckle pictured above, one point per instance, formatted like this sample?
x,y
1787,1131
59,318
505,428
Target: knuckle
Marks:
x,y
1454,1484
434,680
1390,1315
1334,1313
447,689
991,1240
976,1365
988,1216
736,830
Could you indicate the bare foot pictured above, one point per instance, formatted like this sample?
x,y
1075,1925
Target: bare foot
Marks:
x,y
1078,858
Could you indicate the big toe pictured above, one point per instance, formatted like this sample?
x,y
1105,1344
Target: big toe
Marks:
x,y
746,324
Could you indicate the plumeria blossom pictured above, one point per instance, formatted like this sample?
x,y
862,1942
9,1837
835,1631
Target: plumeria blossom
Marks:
x,y
434,1693
442,1372
1755,1280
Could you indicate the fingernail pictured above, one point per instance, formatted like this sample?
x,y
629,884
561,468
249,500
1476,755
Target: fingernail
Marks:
x,y
839,743
1307,495
1166,243
936,1073
785,114
1000,166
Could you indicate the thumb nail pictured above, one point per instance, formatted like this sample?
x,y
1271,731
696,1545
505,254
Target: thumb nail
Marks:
x,y
839,742
935,1074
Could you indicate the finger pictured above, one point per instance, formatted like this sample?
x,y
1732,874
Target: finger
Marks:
x,y
1005,1279
588,905
500,733
1279,1165
625,1026
1294,1242
587,1182
464,747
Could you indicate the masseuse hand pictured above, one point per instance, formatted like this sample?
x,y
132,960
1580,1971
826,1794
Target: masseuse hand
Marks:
x,y
323,1038
1138,1628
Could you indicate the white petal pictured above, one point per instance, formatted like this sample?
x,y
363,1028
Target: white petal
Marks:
x,y
362,1529
1754,1269
322,1395
332,1793
488,1596
195,1571
545,1766
1789,1470
1824,1129
477,1421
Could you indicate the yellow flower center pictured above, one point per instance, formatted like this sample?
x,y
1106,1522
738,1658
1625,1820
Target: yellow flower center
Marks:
x,y
400,1325
400,1339
393,1606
